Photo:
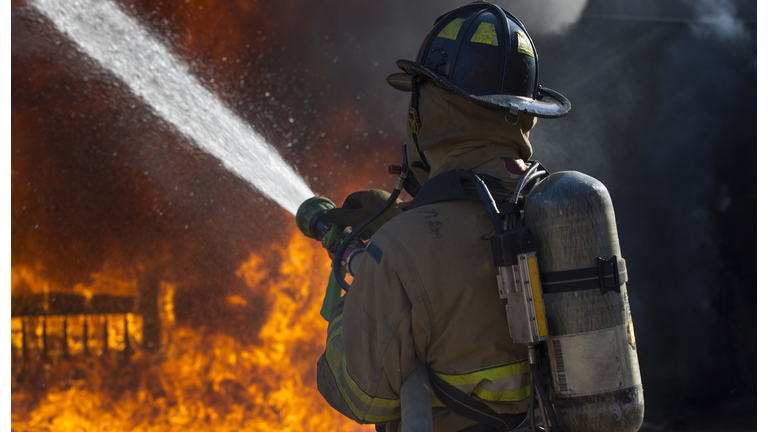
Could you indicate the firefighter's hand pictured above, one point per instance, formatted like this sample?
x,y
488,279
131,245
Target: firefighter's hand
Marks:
x,y
359,205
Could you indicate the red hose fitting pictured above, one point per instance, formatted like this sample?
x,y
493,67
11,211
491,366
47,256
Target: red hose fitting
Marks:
x,y
394,169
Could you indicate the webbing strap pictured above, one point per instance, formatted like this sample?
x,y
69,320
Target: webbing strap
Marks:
x,y
382,427
607,275
450,186
464,405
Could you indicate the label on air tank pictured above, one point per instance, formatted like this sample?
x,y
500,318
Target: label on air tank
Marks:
x,y
594,362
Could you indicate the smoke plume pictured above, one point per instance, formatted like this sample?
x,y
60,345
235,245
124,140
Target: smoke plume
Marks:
x,y
547,17
718,18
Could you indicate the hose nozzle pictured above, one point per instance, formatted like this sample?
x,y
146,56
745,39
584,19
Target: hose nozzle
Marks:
x,y
309,217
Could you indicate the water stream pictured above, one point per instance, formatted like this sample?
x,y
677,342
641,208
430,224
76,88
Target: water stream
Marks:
x,y
125,48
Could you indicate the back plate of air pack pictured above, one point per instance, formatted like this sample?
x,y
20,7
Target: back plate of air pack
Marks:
x,y
514,255
520,284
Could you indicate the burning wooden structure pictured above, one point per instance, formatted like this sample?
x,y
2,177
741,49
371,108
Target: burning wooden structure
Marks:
x,y
87,361
62,324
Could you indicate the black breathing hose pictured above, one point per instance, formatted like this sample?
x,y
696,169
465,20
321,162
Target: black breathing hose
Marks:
x,y
532,410
336,265
485,197
527,176
544,398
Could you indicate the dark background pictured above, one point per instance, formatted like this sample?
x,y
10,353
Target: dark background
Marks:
x,y
664,114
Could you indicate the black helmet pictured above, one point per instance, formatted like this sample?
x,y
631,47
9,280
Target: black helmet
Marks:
x,y
483,53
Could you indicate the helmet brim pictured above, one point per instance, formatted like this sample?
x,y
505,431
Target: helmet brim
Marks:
x,y
548,104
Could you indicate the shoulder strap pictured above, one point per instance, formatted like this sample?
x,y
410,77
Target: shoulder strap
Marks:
x,y
450,186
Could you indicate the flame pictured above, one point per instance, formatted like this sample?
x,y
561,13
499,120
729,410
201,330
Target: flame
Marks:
x,y
26,280
199,380
125,209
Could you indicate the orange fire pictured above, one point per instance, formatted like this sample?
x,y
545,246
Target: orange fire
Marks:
x,y
109,205
197,380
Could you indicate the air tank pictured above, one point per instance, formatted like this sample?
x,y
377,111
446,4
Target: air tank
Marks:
x,y
592,353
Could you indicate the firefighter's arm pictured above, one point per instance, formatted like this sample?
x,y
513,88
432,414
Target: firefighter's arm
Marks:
x,y
361,204
357,207
370,346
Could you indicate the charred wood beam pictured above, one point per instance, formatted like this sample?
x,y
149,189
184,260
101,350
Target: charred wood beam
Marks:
x,y
71,304
45,341
150,311
106,335
66,340
85,337
24,339
127,351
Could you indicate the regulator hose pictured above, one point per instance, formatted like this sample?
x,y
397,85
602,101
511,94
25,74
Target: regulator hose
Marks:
x,y
545,399
485,197
336,265
530,174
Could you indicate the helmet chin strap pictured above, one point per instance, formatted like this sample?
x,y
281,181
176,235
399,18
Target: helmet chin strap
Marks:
x,y
415,122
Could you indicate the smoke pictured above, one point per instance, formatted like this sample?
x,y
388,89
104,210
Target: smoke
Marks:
x,y
664,114
718,18
546,17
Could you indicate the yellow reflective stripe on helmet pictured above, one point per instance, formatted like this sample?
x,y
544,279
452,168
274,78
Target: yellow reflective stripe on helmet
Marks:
x,y
486,34
365,407
523,45
451,31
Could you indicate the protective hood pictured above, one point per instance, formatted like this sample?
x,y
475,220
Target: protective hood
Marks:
x,y
456,133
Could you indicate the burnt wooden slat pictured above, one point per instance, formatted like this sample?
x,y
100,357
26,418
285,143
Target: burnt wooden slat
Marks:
x,y
106,304
149,310
71,304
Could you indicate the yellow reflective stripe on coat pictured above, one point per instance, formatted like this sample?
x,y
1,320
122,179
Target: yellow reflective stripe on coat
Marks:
x,y
503,396
365,407
508,382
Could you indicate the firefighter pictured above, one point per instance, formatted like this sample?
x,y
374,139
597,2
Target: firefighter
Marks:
x,y
424,288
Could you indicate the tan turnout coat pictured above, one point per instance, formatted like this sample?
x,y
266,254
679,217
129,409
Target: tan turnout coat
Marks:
x,y
425,290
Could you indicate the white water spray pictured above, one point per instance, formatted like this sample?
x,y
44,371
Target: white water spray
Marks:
x,y
130,52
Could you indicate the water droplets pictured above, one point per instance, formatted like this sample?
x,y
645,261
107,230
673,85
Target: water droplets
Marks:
x,y
172,93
